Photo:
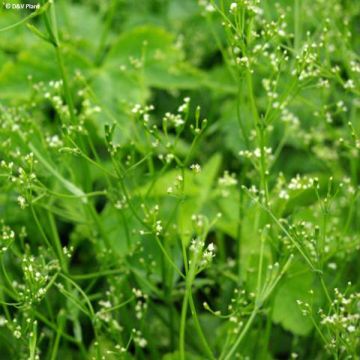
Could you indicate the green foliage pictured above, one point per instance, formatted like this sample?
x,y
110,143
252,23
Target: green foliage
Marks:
x,y
286,310
179,179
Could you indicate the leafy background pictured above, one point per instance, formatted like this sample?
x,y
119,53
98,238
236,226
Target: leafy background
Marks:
x,y
176,43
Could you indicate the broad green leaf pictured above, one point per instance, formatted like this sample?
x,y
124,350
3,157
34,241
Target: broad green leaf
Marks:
x,y
286,310
194,205
38,62
159,189
86,34
141,58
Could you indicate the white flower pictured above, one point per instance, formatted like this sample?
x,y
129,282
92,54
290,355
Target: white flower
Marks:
x,y
209,8
105,304
196,168
227,180
349,84
351,328
233,7
3,321
21,201
54,141
283,194
244,61
17,333
158,227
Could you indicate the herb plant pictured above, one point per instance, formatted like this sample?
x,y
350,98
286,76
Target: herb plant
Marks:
x,y
180,179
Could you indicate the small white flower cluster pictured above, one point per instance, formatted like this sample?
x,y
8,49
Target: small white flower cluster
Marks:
x,y
103,313
233,7
3,321
207,6
325,153
56,84
7,236
121,203
227,179
158,228
22,202
88,109
138,109
349,84
151,217
347,185
196,245
308,62
106,308
199,222
283,194
238,302
323,83
272,29
302,182
270,87
150,214
22,329
36,278
249,5
243,61
256,153
54,141
8,166
343,321
138,338
196,168
176,185
355,66
120,349
68,251
289,118
23,177
168,158
226,182
306,234
112,148
345,317
141,303
207,254
53,93
185,106
142,112
174,120
17,332
341,107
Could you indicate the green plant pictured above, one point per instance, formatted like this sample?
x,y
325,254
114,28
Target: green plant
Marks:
x,y
179,180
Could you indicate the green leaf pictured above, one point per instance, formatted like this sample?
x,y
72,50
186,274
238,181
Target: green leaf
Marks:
x,y
27,18
152,44
86,33
162,67
286,310
39,62
204,181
